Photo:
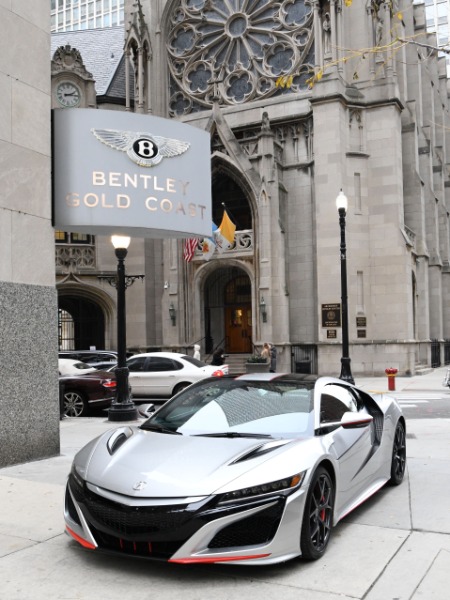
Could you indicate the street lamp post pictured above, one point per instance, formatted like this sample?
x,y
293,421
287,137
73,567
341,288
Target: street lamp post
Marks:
x,y
123,409
346,373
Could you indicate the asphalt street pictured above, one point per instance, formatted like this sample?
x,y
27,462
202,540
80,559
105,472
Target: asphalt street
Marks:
x,y
396,546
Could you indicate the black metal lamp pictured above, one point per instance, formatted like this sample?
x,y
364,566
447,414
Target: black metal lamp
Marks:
x,y
123,408
262,308
173,314
342,205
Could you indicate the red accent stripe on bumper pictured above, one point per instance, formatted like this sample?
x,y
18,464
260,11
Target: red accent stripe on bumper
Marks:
x,y
80,540
213,559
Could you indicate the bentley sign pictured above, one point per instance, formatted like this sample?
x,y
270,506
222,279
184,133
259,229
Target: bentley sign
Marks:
x,y
119,172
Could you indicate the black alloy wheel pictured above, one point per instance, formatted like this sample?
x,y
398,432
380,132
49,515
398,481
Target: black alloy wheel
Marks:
x,y
317,516
398,464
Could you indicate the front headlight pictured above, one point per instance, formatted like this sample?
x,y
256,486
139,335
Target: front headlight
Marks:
x,y
284,486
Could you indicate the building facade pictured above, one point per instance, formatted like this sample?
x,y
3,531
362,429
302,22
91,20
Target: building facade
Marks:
x,y
29,406
73,15
360,113
437,19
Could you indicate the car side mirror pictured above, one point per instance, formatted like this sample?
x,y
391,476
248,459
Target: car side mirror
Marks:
x,y
146,410
354,420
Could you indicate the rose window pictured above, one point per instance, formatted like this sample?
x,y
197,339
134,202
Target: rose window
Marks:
x,y
233,51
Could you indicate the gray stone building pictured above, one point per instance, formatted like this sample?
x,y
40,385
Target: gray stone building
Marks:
x,y
29,408
371,122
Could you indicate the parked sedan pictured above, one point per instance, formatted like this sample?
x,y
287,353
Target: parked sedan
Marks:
x,y
84,388
252,469
163,374
100,359
71,366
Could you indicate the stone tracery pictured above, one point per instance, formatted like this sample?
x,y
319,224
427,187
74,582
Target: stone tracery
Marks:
x,y
232,51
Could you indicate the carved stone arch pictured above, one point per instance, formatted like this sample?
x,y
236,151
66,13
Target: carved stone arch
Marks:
x,y
233,53
98,297
67,65
138,29
223,166
204,323
84,290
205,270
138,54
167,15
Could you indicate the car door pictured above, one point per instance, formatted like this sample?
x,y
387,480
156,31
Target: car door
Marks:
x,y
136,375
353,448
159,376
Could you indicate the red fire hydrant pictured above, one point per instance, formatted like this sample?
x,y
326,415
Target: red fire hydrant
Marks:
x,y
391,373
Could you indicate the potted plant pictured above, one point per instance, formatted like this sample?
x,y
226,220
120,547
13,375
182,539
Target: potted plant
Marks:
x,y
257,364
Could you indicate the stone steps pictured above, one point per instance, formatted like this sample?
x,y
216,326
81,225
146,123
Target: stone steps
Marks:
x,y
236,362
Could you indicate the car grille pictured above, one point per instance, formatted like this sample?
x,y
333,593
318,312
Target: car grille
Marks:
x,y
142,520
129,521
256,529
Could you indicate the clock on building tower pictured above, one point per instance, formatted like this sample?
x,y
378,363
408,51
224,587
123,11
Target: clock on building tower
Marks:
x,y
68,94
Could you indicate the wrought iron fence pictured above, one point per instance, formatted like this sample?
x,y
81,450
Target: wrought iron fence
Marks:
x,y
435,354
446,352
304,358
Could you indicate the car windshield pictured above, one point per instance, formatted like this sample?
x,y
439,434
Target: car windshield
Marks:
x,y
81,366
230,407
72,367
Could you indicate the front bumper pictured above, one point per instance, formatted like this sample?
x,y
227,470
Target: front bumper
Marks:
x,y
262,530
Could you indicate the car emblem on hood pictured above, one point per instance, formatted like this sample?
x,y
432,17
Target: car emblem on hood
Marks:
x,y
140,485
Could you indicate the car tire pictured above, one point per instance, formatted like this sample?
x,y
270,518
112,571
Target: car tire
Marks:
x,y
75,404
398,463
179,387
317,516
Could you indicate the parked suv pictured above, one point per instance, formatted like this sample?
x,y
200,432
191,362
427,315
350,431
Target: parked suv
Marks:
x,y
100,359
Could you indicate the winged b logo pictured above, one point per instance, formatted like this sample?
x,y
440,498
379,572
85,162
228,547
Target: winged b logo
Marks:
x,y
144,149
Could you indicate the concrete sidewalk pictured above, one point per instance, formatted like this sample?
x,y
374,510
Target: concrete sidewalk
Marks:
x,y
395,546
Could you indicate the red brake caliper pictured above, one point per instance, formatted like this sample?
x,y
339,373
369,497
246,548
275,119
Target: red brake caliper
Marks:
x,y
322,512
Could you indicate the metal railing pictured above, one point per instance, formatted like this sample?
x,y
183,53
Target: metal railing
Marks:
x,y
304,358
435,354
446,352
242,245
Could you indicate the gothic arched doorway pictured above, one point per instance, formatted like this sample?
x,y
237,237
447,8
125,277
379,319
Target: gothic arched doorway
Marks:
x,y
81,324
228,311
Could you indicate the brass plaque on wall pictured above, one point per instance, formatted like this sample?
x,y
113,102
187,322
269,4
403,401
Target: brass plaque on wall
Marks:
x,y
331,315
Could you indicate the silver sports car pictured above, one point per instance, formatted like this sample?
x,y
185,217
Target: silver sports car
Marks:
x,y
254,469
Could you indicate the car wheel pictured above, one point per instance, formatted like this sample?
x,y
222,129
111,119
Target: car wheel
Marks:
x,y
179,387
75,404
317,516
398,464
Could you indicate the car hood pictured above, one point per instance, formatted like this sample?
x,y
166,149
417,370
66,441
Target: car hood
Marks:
x,y
168,465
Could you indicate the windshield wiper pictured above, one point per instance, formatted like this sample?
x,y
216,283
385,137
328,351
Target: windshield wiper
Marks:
x,y
235,434
159,429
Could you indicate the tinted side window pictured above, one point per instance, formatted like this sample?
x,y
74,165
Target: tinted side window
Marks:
x,y
335,402
136,364
331,409
158,364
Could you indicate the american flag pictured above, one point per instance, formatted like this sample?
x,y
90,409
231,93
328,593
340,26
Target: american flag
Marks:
x,y
189,249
